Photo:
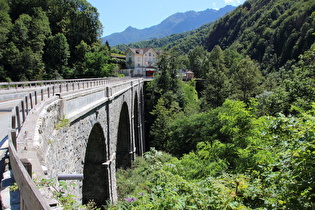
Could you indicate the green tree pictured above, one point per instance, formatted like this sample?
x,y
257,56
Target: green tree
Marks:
x,y
28,37
39,30
81,23
164,111
94,61
217,59
5,21
5,27
246,80
20,33
217,83
197,59
217,89
300,86
56,57
97,62
166,82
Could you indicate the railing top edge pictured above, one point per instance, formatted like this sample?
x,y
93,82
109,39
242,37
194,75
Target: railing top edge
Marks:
x,y
65,81
53,81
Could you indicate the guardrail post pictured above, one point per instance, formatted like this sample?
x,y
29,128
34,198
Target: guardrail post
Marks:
x,y
13,130
60,88
53,90
26,105
13,122
109,91
28,166
13,138
35,96
42,95
23,111
48,92
18,117
31,100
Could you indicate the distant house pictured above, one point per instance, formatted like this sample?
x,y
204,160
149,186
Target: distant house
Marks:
x,y
141,61
188,75
185,74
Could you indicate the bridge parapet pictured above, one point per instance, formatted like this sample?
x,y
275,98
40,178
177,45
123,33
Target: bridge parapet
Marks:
x,y
32,84
77,104
88,94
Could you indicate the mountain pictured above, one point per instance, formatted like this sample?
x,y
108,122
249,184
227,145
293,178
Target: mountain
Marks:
x,y
165,42
177,23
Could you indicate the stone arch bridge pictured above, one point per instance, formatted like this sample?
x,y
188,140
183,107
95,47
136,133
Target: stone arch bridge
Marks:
x,y
82,131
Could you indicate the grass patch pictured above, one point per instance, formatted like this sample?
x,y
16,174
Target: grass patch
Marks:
x,y
64,123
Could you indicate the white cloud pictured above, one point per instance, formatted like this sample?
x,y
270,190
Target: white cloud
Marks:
x,y
233,2
214,6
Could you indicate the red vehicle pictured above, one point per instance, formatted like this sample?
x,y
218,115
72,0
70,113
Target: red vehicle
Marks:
x,y
149,73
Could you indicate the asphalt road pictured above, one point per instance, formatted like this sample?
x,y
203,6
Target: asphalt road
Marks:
x,y
5,114
7,102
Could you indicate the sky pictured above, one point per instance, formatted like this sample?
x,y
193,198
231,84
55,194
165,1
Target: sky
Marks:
x,y
117,15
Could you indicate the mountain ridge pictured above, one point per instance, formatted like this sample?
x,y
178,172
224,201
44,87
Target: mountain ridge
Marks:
x,y
176,23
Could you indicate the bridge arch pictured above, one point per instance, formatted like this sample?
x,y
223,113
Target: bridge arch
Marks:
x,y
95,182
124,145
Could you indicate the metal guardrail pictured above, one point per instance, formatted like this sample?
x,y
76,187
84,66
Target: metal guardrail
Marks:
x,y
30,195
31,84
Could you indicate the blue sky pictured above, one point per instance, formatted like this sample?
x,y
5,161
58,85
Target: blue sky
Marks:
x,y
117,15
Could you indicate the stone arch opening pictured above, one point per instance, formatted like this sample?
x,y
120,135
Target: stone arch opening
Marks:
x,y
137,126
123,156
95,182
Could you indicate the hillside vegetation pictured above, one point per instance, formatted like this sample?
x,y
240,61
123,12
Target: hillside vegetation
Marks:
x,y
246,139
51,39
268,31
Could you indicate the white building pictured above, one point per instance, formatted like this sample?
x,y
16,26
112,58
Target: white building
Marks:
x,y
142,61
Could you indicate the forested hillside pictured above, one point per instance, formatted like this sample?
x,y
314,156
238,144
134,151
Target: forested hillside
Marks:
x,y
246,140
51,39
271,32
